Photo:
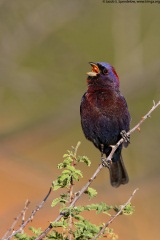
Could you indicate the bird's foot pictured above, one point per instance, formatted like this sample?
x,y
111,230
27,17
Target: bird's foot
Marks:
x,y
125,137
106,162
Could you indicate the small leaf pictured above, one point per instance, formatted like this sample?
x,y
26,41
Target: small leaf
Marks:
x,y
55,202
84,159
128,210
35,231
91,192
58,224
78,217
77,174
55,235
55,185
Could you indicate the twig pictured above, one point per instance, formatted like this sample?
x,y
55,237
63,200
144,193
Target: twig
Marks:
x,y
22,213
78,195
30,218
115,216
136,127
148,115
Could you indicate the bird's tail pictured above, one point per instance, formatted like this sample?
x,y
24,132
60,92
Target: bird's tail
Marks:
x,y
118,173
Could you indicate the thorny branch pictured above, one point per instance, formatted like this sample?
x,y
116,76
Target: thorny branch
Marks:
x,y
116,215
84,188
21,214
24,211
23,225
136,127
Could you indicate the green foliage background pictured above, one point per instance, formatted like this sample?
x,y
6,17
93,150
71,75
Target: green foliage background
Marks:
x,y
45,47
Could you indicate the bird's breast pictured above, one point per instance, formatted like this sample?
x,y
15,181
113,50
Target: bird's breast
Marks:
x,y
101,103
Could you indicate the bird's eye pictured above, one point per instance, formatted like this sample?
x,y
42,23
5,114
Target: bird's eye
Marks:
x,y
105,71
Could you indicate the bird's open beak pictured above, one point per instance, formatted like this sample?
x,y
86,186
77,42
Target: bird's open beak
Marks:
x,y
95,70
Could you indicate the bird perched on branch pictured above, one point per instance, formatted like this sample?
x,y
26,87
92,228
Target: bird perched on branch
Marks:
x,y
105,116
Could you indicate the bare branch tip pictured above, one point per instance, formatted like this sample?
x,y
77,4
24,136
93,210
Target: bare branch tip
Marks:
x,y
135,190
154,103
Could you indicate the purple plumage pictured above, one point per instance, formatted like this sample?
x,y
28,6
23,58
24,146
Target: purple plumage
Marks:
x,y
104,115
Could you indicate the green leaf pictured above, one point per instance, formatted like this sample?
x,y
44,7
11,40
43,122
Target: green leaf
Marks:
x,y
85,230
65,172
103,207
55,202
84,159
22,236
76,175
91,192
128,210
58,224
36,231
79,217
55,235
71,168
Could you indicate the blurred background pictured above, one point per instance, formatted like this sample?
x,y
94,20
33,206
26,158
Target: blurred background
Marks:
x,y
45,47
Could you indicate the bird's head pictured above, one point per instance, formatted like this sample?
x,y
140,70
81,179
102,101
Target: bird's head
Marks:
x,y
103,75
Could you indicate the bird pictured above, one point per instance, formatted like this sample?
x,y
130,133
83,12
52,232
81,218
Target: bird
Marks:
x,y
105,117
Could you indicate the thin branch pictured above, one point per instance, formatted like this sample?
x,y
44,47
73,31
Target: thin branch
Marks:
x,y
148,115
78,194
31,216
115,216
136,127
22,213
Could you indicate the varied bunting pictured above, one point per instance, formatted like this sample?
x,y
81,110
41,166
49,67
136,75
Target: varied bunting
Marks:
x,y
104,116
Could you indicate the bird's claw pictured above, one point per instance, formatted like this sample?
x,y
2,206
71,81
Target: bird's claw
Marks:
x,y
125,137
106,162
